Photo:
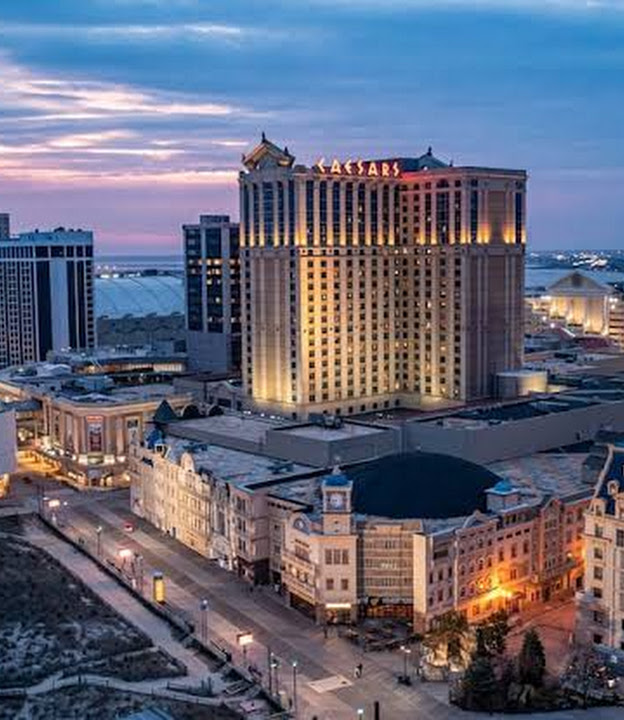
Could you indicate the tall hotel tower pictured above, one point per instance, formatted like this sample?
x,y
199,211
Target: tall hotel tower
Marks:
x,y
46,294
373,284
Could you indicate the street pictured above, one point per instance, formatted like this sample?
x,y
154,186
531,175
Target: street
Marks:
x,y
321,669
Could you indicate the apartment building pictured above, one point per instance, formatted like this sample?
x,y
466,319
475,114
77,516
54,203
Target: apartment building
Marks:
x,y
213,313
46,294
367,285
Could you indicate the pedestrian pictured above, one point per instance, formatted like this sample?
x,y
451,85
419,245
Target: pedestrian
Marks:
x,y
358,670
325,632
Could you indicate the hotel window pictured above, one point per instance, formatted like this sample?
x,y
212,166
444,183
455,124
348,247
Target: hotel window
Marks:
x,y
349,213
428,217
310,211
344,584
619,538
323,212
442,218
457,223
519,217
246,212
291,211
256,213
474,215
373,214
336,212
329,583
280,212
361,213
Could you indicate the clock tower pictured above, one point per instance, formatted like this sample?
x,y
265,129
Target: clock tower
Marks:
x,y
337,489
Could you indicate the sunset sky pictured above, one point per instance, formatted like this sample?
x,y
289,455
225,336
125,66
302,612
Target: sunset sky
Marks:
x,y
130,116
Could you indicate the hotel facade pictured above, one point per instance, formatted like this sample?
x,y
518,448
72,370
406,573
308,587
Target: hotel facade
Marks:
x,y
368,285
302,529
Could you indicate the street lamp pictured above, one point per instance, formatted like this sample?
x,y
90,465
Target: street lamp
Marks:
x,y
244,639
275,667
203,619
406,652
98,541
360,713
294,677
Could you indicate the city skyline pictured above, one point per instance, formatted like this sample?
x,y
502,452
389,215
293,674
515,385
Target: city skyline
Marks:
x,y
129,117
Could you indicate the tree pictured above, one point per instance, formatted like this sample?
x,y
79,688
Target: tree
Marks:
x,y
492,634
449,632
532,660
479,685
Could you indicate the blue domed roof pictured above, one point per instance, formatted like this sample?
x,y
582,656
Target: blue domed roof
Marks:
x,y
503,487
336,479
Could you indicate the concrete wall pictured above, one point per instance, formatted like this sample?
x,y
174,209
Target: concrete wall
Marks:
x,y
208,352
321,452
149,330
486,444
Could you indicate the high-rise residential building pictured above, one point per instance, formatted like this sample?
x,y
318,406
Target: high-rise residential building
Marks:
x,y
212,267
5,226
601,607
372,284
46,294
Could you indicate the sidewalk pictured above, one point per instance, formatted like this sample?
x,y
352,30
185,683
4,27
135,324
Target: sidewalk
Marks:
x,y
110,591
232,609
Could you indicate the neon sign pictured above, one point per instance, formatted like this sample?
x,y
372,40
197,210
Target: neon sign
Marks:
x,y
359,168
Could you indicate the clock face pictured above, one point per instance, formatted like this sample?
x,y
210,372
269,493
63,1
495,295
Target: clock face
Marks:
x,y
336,501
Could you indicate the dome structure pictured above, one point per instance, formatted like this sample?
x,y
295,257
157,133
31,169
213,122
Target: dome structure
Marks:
x,y
117,297
420,485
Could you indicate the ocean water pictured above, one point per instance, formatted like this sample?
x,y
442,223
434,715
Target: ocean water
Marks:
x,y
535,276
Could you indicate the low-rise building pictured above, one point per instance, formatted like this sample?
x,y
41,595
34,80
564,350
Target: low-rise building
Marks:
x,y
410,535
81,426
601,607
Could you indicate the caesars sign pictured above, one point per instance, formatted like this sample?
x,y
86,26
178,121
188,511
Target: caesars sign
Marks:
x,y
360,168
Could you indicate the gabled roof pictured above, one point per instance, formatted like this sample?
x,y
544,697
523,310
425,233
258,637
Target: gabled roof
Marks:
x,y
577,283
428,161
164,414
267,154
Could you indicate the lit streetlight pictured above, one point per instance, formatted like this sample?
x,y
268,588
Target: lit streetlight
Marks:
x,y
360,713
294,679
203,620
98,541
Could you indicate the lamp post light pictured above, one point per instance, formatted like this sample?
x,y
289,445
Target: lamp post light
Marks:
x,y
294,679
98,541
244,640
360,713
275,668
406,652
203,619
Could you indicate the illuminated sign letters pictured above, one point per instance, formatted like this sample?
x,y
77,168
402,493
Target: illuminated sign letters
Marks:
x,y
359,168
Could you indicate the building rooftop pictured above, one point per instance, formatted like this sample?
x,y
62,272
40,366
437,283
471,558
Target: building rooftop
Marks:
x,y
558,474
342,432
420,485
250,428
240,468
117,297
